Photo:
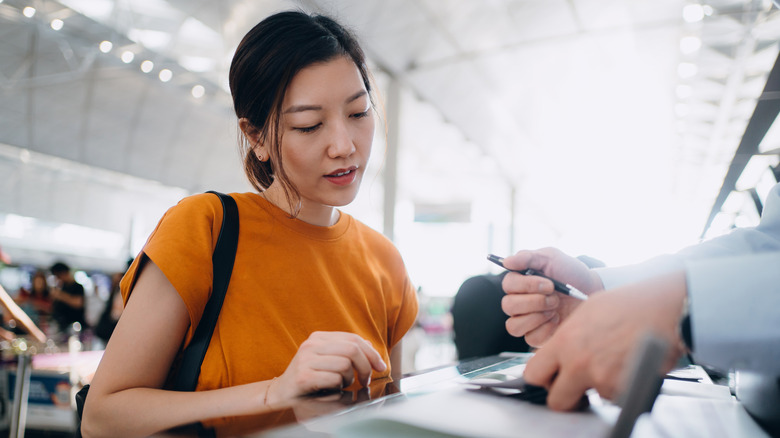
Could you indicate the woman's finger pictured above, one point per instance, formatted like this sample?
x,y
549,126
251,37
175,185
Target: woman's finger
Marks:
x,y
336,364
363,355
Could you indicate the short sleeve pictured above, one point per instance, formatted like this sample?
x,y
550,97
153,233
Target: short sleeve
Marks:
x,y
404,313
182,245
76,290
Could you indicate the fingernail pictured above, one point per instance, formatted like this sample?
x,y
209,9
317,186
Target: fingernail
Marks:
x,y
548,314
551,301
383,365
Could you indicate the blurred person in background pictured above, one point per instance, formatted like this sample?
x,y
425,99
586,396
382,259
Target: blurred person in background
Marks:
x,y
22,322
11,310
113,308
36,301
477,322
67,299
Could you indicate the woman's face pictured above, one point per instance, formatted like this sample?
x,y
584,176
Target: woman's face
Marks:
x,y
39,283
327,129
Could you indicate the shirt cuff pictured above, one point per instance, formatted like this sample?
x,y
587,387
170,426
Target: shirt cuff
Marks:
x,y
733,305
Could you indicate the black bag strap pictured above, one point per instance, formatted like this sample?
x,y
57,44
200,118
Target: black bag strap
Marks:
x,y
224,255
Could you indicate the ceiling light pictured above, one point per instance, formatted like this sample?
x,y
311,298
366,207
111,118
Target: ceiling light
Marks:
x,y
56,24
198,64
707,9
28,11
683,91
165,75
106,46
682,110
151,39
755,169
198,91
734,202
147,66
693,13
687,70
127,56
690,44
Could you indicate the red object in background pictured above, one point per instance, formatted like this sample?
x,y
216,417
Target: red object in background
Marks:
x,y
4,257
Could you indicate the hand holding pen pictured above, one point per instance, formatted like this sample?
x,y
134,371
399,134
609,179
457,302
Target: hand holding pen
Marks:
x,y
563,288
534,301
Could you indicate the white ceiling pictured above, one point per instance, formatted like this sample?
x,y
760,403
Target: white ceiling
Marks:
x,y
579,106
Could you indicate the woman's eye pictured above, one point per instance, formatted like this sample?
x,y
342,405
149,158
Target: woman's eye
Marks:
x,y
360,115
307,129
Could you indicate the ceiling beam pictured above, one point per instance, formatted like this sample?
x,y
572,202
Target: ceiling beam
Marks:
x,y
767,109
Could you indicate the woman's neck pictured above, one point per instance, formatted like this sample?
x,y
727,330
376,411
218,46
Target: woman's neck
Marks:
x,y
311,213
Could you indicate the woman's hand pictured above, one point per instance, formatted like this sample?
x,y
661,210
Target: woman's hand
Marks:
x,y
326,360
535,310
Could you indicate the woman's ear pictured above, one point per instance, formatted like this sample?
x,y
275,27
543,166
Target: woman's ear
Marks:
x,y
254,137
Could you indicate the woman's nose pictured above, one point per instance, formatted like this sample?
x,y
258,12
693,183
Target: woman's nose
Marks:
x,y
341,144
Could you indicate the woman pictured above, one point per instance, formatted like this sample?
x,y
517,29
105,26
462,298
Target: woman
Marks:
x,y
316,300
37,301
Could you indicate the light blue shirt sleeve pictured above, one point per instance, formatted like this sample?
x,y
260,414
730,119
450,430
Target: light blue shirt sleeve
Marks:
x,y
620,275
742,241
733,288
735,311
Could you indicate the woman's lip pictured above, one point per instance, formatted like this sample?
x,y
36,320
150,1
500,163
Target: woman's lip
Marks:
x,y
340,172
343,177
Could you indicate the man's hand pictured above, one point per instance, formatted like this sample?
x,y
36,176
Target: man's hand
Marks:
x,y
592,348
535,310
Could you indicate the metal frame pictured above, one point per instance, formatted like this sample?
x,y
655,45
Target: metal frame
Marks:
x,y
764,115
21,391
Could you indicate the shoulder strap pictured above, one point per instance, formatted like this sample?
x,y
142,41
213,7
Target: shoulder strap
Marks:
x,y
223,258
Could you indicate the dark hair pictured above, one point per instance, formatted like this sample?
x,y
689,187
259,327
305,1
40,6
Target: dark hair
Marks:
x,y
264,64
59,268
33,292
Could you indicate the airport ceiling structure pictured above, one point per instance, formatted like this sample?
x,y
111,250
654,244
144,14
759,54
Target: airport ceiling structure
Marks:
x,y
110,108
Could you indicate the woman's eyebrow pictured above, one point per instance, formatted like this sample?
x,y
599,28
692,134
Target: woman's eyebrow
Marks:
x,y
356,96
301,108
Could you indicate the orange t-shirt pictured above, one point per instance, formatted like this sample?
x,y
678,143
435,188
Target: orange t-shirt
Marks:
x,y
290,278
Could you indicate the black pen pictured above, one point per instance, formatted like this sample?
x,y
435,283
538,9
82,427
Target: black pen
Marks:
x,y
563,288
